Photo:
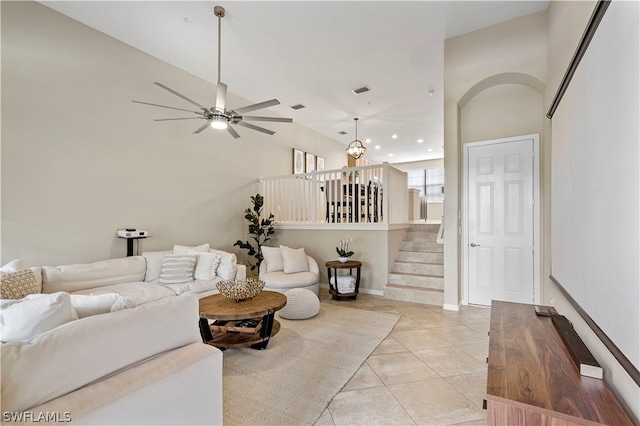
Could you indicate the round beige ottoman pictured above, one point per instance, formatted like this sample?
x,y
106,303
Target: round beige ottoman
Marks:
x,y
301,304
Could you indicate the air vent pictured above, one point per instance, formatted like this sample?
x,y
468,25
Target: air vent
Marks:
x,y
342,132
299,106
360,90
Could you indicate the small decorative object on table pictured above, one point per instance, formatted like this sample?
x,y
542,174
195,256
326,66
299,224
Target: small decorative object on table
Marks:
x,y
343,249
240,290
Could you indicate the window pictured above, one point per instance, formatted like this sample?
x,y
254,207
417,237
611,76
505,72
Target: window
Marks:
x,y
430,183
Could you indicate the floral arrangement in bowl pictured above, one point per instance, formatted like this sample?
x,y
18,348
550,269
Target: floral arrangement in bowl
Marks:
x,y
343,249
240,290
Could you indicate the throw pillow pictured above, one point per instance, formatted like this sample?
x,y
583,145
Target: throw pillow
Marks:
x,y
177,269
95,304
294,260
13,266
35,314
227,269
183,249
206,265
272,256
17,285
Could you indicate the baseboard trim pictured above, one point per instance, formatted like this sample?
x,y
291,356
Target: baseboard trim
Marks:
x,y
450,307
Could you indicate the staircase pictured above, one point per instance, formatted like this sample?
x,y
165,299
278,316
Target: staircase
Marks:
x,y
418,273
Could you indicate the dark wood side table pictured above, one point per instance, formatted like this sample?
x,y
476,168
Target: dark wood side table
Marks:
x,y
230,330
350,265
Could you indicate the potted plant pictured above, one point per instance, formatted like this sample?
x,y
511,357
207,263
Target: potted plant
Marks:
x,y
260,231
343,249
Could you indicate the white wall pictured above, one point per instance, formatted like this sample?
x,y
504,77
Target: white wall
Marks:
x,y
501,111
80,160
376,249
481,102
567,21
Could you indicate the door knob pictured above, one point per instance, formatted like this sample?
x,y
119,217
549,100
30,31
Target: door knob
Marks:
x,y
474,245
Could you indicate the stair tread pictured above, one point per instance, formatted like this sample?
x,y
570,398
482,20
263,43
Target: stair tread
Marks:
x,y
413,262
433,290
416,275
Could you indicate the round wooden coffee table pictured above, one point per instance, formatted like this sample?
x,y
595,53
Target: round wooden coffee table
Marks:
x,y
240,324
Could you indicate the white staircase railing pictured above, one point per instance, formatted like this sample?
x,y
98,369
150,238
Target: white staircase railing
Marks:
x,y
368,194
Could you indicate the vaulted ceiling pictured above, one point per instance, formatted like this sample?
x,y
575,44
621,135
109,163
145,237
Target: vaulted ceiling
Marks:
x,y
314,53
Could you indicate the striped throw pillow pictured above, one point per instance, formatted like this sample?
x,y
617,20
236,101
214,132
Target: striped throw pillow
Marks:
x,y
177,268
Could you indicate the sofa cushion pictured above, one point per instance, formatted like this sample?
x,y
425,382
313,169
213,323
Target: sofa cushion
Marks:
x,y
206,264
80,352
138,293
154,264
34,315
177,249
272,256
294,260
16,285
201,286
13,266
177,268
86,305
72,278
227,268
280,280
178,387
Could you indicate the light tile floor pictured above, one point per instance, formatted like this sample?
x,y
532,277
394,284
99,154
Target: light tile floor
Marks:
x,y
431,370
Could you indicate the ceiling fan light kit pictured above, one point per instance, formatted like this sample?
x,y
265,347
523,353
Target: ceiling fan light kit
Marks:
x,y
356,149
218,117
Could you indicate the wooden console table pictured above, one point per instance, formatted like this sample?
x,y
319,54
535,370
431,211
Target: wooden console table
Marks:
x,y
532,379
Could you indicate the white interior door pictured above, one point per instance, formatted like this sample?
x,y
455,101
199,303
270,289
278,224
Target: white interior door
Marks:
x,y
500,232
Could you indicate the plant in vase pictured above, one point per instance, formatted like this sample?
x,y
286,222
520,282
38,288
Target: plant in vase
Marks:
x,y
343,249
260,230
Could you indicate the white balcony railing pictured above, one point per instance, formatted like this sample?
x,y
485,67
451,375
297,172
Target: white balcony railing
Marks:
x,y
369,194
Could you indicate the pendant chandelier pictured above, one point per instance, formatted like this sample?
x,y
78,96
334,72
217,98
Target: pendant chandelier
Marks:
x,y
356,149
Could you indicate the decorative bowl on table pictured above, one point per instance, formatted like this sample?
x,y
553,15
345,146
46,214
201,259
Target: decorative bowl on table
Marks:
x,y
240,290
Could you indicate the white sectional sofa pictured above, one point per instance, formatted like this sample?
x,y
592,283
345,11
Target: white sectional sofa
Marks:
x,y
138,359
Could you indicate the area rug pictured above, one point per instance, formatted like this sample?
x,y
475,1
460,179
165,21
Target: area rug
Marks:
x,y
304,366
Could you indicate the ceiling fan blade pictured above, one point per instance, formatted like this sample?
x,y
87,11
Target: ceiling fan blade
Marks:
x,y
251,126
273,119
182,118
233,132
164,106
221,97
201,128
265,104
180,95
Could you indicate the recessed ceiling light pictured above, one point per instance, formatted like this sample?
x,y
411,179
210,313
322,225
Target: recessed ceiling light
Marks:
x,y
342,132
394,136
377,146
391,155
298,106
368,140
420,140
430,149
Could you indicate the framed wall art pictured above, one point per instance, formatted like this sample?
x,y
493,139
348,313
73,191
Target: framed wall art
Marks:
x,y
320,164
298,161
310,162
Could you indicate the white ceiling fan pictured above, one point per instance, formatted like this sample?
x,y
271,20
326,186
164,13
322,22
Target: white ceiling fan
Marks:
x,y
218,116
